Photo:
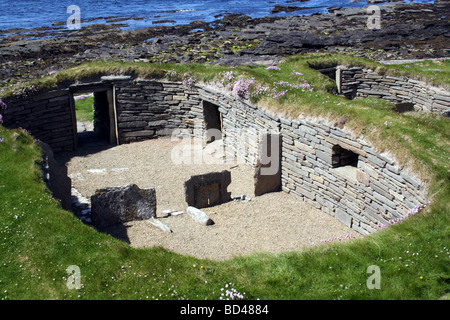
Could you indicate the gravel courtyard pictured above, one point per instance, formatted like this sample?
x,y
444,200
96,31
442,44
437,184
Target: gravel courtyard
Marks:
x,y
273,222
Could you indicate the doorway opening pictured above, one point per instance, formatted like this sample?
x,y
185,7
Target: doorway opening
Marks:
x,y
213,122
404,107
95,116
84,109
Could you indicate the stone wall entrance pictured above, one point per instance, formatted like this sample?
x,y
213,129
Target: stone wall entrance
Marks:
x,y
104,124
213,121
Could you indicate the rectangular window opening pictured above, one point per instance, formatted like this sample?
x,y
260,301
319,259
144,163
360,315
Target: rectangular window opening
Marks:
x,y
344,163
342,157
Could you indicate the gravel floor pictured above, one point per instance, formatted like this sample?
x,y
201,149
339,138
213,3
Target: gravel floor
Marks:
x,y
273,222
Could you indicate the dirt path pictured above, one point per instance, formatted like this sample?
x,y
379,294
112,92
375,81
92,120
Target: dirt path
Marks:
x,y
273,222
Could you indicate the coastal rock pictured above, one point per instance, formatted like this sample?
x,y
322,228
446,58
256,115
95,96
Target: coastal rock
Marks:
x,y
410,31
291,8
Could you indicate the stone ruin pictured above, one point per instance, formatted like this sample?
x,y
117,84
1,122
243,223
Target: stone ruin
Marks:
x,y
371,189
116,205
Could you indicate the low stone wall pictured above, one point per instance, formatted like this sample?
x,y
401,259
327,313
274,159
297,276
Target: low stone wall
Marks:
x,y
363,196
321,164
358,82
48,116
143,109
149,109
243,123
372,193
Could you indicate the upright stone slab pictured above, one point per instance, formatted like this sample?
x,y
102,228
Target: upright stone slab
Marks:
x,y
55,176
116,205
267,176
208,189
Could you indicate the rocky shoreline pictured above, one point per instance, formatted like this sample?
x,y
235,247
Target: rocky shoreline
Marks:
x,y
408,31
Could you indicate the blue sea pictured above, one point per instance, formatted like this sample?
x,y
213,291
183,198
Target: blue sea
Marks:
x,y
28,14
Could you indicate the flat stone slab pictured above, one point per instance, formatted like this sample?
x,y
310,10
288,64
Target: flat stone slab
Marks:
x,y
171,213
159,225
267,174
115,78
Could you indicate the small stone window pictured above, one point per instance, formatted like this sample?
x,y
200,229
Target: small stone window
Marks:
x,y
404,107
344,163
342,157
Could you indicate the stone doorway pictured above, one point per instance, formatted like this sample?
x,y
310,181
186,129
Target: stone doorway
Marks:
x,y
213,122
101,125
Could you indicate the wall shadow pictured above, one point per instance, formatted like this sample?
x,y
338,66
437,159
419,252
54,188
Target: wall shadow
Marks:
x,y
88,143
118,231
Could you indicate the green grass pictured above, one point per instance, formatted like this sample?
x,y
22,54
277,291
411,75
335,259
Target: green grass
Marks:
x,y
39,240
432,72
84,109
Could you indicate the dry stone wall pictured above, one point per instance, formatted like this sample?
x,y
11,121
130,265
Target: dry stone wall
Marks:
x,y
243,124
362,197
358,82
48,116
370,189
149,109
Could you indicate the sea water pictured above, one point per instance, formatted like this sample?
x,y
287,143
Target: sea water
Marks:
x,y
30,14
